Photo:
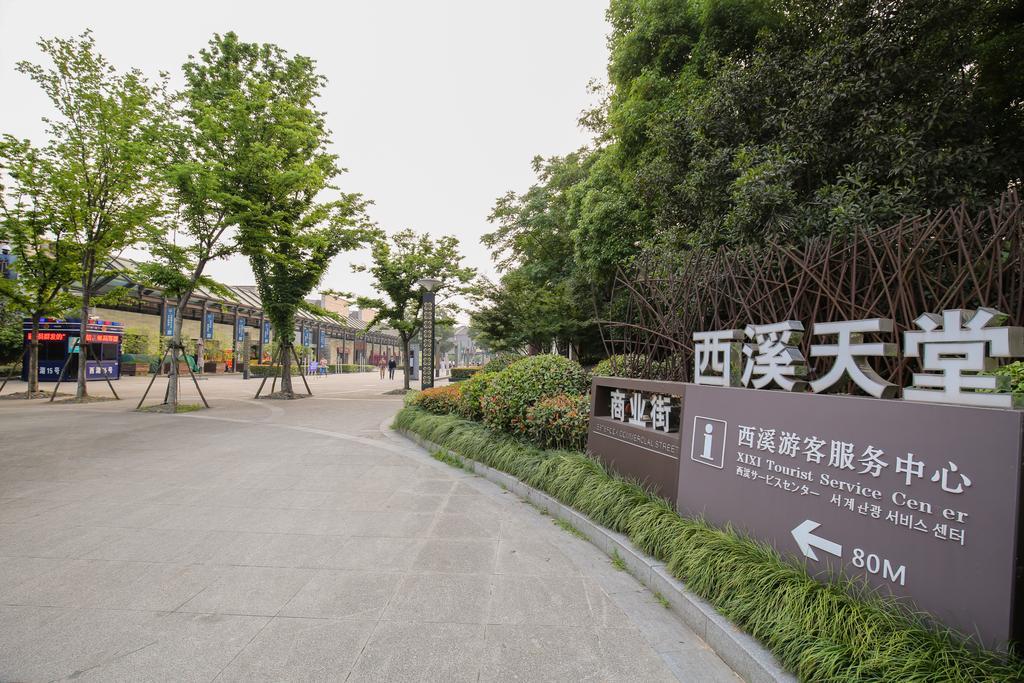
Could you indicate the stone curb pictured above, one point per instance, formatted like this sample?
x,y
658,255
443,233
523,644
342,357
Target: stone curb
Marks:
x,y
747,657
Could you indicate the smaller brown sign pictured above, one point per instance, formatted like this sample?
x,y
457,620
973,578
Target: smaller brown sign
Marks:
x,y
634,430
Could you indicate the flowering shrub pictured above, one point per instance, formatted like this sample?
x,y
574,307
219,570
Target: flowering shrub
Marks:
x,y
438,400
471,394
501,362
514,390
559,421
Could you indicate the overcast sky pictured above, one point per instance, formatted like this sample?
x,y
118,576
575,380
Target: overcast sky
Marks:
x,y
436,107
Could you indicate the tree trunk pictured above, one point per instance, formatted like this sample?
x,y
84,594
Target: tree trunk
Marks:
x,y
286,369
176,346
33,357
81,391
405,361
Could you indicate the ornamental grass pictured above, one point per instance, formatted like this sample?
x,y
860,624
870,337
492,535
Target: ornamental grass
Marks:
x,y
820,632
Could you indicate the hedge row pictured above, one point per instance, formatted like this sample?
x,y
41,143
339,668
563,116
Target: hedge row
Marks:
x,y
833,632
538,398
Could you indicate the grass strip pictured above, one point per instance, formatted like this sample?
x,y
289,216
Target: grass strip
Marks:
x,y
820,632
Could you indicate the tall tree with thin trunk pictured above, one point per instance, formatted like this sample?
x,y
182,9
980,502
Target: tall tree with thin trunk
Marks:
x,y
202,173
47,255
106,146
399,262
277,141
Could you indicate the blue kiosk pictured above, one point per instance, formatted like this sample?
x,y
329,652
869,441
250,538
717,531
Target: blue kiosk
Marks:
x,y
58,339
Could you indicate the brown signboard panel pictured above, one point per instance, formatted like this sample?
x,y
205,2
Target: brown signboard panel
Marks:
x,y
919,499
637,448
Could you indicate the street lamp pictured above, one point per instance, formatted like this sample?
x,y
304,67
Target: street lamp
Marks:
x,y
428,284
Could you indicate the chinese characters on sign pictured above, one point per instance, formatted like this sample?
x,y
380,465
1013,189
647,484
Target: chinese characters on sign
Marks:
x,y
953,348
919,499
657,411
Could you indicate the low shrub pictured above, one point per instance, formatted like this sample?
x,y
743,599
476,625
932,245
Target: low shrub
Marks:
x,y
820,632
625,365
471,394
501,362
515,389
463,373
559,421
1014,372
439,400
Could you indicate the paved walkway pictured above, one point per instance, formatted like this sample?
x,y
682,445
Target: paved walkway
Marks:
x,y
295,541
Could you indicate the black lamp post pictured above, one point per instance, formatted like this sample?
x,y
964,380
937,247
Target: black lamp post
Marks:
x,y
427,347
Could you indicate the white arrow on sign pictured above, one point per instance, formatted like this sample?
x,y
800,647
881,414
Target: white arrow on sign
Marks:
x,y
805,539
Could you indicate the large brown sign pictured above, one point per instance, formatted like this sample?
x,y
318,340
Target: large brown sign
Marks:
x,y
920,500
634,430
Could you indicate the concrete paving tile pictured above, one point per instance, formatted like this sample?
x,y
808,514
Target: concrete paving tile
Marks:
x,y
31,540
343,594
377,554
13,510
112,585
261,591
533,557
661,627
392,524
543,653
415,502
353,499
294,649
699,663
435,486
478,505
278,550
15,571
179,647
197,518
551,600
398,652
55,644
456,556
627,657
159,545
451,525
461,598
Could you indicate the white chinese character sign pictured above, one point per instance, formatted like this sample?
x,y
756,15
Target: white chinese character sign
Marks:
x,y
956,351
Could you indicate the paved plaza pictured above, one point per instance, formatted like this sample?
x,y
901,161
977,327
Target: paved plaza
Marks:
x,y
301,540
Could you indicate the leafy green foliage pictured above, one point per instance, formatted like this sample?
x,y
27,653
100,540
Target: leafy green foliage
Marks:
x,y
501,362
621,365
399,261
437,400
95,183
833,632
471,394
254,106
559,421
459,374
10,334
517,388
1014,372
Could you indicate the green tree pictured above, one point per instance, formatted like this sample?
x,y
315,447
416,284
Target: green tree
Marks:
x,y
276,168
399,262
844,114
106,144
43,244
519,315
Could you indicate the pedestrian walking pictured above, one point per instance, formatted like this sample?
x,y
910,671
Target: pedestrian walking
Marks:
x,y
382,365
392,364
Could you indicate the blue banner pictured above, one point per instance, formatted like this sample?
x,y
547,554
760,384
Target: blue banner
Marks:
x,y
240,329
307,336
323,339
208,326
169,320
266,332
